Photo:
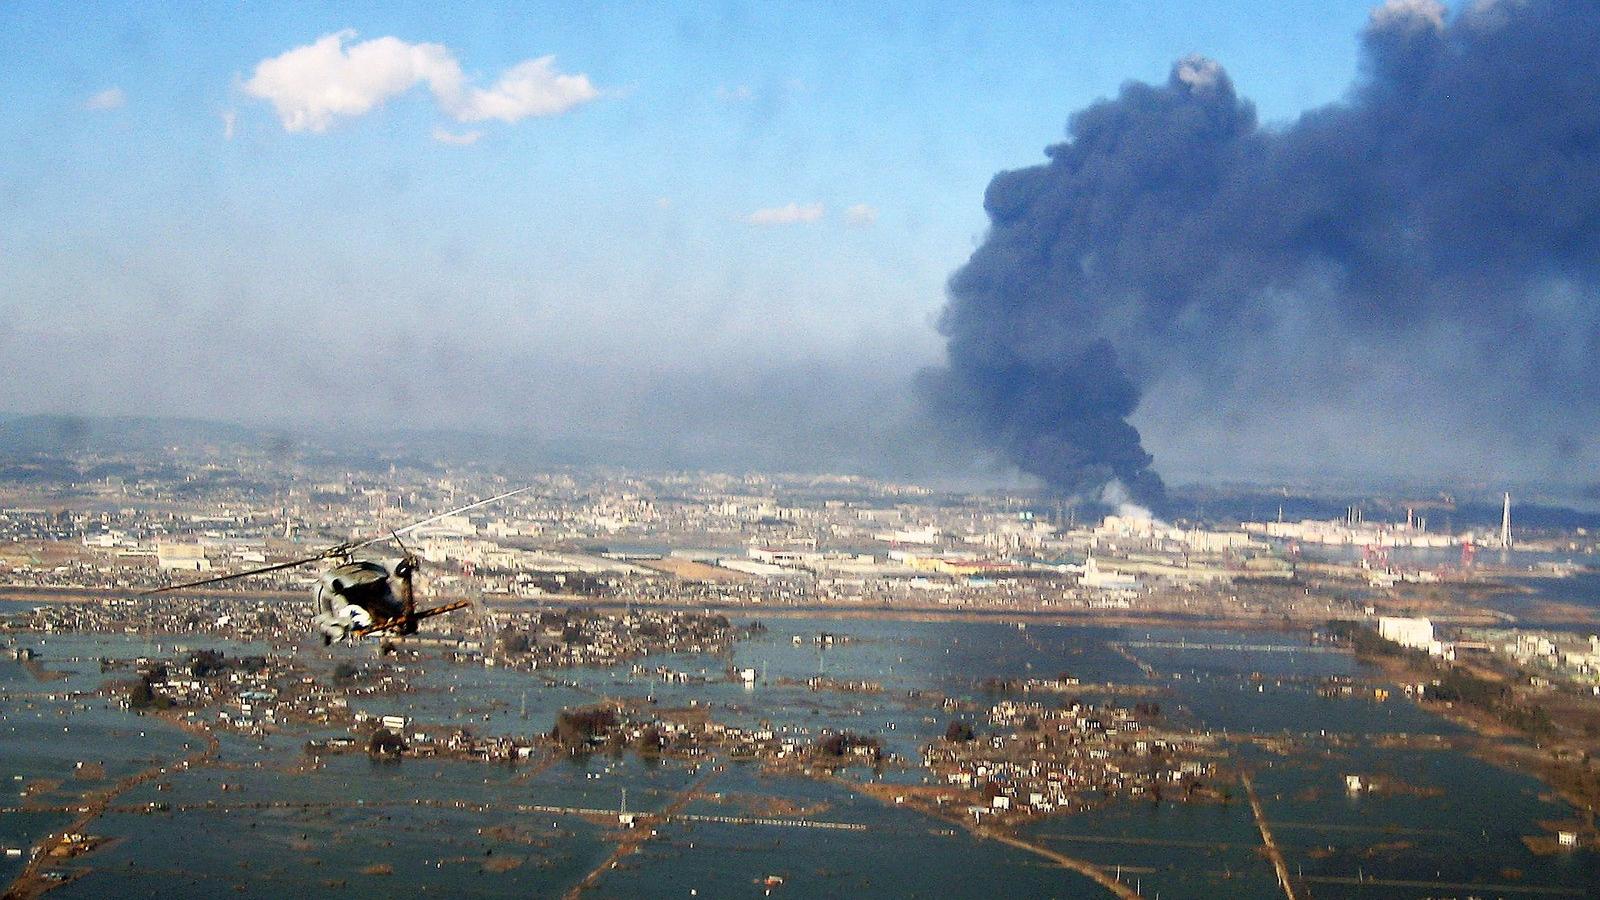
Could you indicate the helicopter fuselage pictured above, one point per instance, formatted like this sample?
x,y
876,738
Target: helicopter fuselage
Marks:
x,y
354,596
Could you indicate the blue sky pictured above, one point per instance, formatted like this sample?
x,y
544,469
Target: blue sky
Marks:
x,y
574,271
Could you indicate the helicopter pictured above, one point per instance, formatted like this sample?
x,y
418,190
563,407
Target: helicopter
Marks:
x,y
361,597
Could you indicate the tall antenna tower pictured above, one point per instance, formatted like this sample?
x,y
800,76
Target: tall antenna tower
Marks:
x,y
1505,523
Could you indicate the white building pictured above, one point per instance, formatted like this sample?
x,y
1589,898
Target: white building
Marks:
x,y
1095,577
1415,633
182,557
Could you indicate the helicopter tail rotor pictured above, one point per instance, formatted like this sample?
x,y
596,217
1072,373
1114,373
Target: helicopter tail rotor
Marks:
x,y
404,570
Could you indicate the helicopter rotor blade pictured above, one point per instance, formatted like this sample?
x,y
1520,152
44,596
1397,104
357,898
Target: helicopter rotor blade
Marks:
x,y
340,549
395,534
276,567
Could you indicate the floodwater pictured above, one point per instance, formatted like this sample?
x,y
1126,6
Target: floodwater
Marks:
x,y
468,829
1581,590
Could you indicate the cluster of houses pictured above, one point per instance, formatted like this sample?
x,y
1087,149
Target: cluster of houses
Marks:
x,y
1569,654
1039,759
579,637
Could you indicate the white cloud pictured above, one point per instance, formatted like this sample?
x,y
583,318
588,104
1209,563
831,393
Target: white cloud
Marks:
x,y
788,214
736,94
309,86
663,203
861,215
312,86
531,88
460,139
110,98
1200,73
229,119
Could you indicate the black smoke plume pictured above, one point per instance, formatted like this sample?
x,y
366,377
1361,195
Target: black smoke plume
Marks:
x,y
1448,209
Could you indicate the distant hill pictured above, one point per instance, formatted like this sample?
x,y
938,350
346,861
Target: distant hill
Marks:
x,y
34,435
42,448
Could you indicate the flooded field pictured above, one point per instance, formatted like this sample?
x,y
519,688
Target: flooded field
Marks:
x,y
261,818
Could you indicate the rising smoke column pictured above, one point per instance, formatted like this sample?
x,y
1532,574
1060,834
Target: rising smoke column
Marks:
x,y
1451,200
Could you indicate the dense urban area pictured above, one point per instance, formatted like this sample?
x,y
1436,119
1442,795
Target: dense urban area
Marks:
x,y
116,527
